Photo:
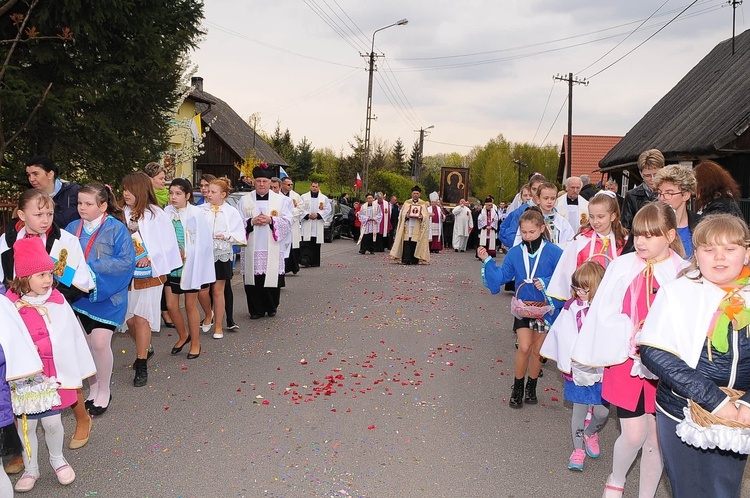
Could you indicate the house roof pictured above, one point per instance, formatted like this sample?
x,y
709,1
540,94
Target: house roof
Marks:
x,y
701,116
233,130
588,150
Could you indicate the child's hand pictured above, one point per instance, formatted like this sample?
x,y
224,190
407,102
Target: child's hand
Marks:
x,y
743,414
482,253
538,284
728,411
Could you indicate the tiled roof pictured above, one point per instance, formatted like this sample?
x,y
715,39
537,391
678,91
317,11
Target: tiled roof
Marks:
x,y
707,114
588,150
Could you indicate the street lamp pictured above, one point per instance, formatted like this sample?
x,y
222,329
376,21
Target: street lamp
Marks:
x,y
372,56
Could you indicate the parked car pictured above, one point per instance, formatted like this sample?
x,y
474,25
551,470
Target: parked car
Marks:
x,y
335,222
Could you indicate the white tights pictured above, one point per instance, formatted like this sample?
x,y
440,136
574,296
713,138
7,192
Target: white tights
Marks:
x,y
638,433
100,344
6,488
54,436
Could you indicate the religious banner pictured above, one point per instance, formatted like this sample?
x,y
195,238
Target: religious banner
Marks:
x,y
454,185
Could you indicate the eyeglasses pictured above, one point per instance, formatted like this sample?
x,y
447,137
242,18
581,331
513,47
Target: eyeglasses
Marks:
x,y
578,290
667,195
203,185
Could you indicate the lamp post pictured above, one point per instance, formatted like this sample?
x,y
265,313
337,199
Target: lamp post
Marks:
x,y
372,56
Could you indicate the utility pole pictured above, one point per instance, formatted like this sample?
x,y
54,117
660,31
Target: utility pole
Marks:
x,y
570,80
520,165
420,153
735,4
372,56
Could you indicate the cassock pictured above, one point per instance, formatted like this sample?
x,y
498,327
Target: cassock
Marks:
x,y
370,216
291,260
575,211
393,223
384,226
264,253
462,226
487,224
437,217
412,241
312,229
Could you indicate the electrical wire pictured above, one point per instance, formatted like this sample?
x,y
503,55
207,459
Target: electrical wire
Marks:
x,y
313,93
555,121
537,44
364,36
387,94
273,47
447,143
644,41
544,111
331,23
388,75
624,39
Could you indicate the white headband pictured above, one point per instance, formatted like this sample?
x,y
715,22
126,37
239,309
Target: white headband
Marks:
x,y
608,193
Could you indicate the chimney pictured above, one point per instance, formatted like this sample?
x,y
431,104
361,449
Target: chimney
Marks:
x,y
197,83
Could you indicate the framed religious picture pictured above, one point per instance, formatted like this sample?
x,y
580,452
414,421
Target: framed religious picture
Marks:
x,y
415,211
454,185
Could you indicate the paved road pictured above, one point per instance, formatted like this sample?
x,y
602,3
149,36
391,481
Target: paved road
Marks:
x,y
374,380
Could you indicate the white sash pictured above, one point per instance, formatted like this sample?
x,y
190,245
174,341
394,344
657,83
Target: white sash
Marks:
x,y
274,249
530,276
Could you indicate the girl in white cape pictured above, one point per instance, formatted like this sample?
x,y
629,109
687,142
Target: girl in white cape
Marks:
x,y
607,339
696,339
195,241
156,255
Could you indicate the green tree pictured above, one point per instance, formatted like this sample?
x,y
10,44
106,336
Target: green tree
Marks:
x,y
398,158
100,104
304,155
379,158
282,143
413,157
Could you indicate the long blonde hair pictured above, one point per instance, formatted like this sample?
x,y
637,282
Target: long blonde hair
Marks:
x,y
657,219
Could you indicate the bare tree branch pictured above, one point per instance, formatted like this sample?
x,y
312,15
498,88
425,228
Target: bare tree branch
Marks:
x,y
6,62
7,6
28,119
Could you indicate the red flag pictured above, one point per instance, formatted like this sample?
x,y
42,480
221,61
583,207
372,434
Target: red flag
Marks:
x,y
358,185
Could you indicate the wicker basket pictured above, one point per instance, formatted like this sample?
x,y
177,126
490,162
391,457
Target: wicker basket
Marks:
x,y
528,309
706,419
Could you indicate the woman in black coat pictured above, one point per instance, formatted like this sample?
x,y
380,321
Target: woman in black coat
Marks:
x,y
717,190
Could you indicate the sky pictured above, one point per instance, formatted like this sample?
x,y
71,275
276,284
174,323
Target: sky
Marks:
x,y
472,70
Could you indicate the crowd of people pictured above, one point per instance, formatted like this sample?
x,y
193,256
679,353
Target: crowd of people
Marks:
x,y
77,263
640,301
644,308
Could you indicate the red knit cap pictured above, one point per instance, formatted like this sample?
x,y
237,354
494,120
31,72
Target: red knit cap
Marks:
x,y
30,257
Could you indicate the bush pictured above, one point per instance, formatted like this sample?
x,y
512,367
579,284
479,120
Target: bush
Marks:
x,y
392,184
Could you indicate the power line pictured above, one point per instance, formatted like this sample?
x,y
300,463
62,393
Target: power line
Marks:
x,y
548,42
555,121
274,47
544,111
321,89
447,143
386,92
406,99
644,41
364,36
624,39
331,23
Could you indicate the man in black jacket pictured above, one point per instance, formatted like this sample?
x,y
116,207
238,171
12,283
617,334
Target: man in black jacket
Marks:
x,y
587,190
43,174
649,162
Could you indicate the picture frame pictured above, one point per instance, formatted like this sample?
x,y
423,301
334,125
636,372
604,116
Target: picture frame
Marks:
x,y
454,185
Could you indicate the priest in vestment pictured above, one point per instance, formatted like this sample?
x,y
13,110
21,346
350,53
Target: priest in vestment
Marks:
x,y
437,217
412,242
316,208
291,263
384,226
487,224
370,216
462,225
268,218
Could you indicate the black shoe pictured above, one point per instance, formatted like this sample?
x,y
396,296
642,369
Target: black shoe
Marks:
x,y
176,350
516,396
169,325
99,410
541,374
255,317
232,327
530,397
191,356
271,313
141,372
88,404
150,352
